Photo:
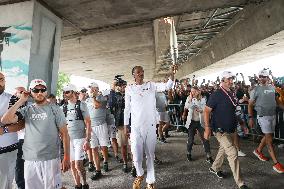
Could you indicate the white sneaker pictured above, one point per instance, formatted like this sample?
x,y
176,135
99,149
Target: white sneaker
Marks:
x,y
281,146
241,154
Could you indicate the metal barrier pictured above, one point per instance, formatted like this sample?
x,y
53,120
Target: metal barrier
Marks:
x,y
175,114
176,110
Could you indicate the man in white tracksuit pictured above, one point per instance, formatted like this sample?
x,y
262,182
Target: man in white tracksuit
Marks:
x,y
140,102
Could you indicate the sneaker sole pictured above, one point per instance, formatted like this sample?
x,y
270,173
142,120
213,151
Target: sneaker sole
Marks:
x,y
258,156
215,173
280,172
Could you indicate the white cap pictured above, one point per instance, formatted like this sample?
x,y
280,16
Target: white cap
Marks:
x,y
227,74
37,82
93,85
263,73
69,87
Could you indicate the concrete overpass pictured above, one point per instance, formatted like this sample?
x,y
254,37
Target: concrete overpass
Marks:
x,y
103,38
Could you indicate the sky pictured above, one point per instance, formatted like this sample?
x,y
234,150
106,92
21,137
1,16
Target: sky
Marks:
x,y
274,63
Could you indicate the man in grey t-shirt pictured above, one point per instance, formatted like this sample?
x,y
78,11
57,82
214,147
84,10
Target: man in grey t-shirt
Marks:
x,y
100,137
44,123
264,101
79,129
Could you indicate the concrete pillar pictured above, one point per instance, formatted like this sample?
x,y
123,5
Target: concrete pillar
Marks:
x,y
30,38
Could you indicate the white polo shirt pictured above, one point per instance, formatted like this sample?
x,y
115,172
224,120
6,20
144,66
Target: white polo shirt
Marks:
x,y
140,102
8,138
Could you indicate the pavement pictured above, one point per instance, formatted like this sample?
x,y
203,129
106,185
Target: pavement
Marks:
x,y
176,172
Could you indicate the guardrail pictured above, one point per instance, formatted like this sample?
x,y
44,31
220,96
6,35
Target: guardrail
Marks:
x,y
175,114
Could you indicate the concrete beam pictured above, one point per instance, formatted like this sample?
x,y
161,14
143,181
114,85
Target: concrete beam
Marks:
x,y
253,24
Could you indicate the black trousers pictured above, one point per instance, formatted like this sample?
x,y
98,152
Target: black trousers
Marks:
x,y
195,125
19,170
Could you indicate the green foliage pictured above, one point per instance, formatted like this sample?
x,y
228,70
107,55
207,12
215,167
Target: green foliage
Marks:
x,y
63,79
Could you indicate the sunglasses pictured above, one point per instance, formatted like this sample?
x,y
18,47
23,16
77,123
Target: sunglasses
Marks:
x,y
261,76
67,92
35,90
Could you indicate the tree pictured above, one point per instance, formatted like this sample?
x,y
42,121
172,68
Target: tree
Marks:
x,y
62,80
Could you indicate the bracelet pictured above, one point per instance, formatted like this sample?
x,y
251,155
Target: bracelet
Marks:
x,y
250,116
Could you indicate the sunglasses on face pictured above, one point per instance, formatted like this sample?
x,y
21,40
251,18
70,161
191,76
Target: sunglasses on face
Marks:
x,y
261,76
35,90
67,92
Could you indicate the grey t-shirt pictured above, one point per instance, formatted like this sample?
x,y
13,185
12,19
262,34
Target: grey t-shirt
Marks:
x,y
98,116
76,128
42,125
264,97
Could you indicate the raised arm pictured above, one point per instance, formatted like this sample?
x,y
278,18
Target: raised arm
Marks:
x,y
10,116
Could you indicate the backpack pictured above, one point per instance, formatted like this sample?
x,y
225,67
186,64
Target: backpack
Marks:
x,y
79,115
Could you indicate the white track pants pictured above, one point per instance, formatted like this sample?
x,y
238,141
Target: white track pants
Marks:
x,y
144,137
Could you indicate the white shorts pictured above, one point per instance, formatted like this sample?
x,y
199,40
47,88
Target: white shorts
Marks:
x,y
76,149
164,117
112,131
43,174
7,169
267,124
99,136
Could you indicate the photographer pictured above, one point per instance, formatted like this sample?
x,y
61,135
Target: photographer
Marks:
x,y
117,104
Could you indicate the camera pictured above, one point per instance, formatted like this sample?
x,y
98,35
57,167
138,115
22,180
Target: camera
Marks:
x,y
119,80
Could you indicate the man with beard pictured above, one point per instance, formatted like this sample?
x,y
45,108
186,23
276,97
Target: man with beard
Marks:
x,y
140,102
8,141
222,103
263,99
44,123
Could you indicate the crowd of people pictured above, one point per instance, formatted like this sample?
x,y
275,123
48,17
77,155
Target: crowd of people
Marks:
x,y
40,137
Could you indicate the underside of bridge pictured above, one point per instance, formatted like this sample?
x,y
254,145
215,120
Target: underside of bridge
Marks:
x,y
102,38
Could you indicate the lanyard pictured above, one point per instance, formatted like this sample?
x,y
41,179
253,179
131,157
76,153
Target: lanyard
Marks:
x,y
234,103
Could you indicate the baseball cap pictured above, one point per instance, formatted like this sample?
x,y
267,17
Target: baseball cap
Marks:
x,y
227,74
263,73
69,87
37,82
93,84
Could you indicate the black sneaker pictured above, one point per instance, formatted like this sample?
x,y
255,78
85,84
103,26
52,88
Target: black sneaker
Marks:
x,y
124,168
133,172
210,160
118,159
91,167
105,167
163,140
86,186
157,161
244,187
78,187
218,173
97,175
189,158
